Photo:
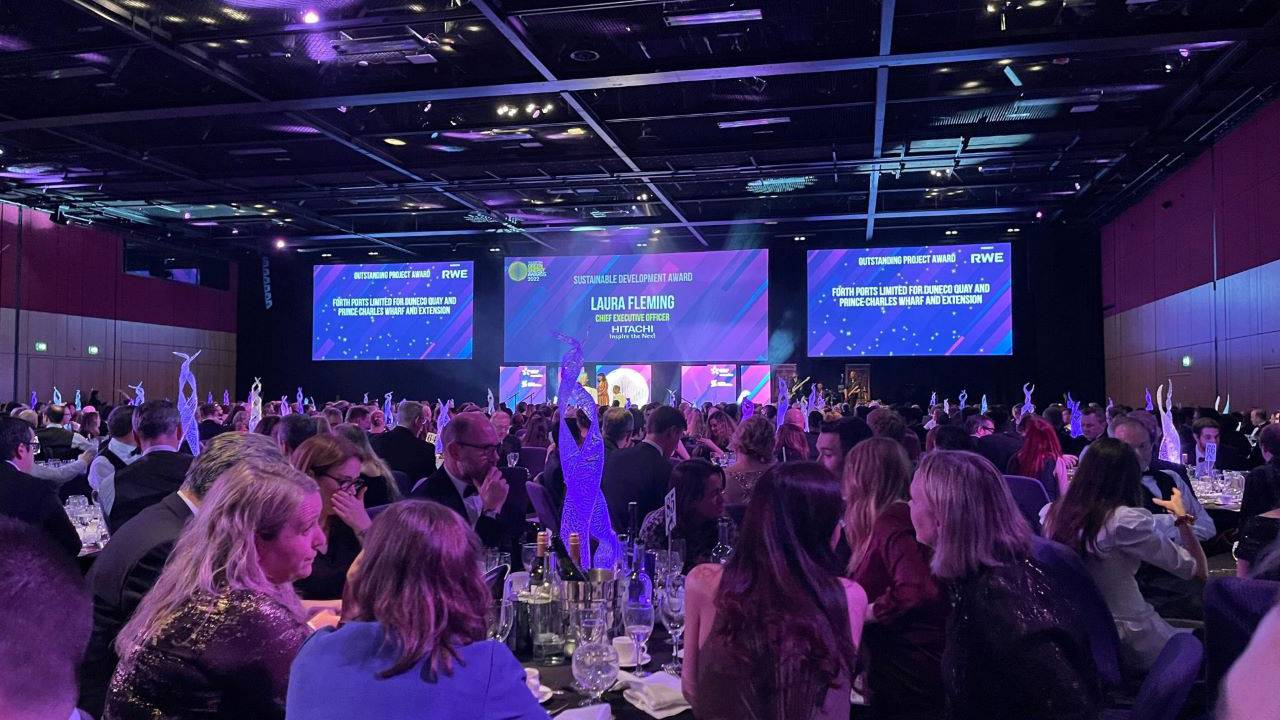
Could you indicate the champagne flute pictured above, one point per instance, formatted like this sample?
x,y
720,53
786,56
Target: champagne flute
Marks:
x,y
595,667
672,613
637,617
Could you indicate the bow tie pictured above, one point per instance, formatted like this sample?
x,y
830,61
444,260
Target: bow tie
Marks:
x,y
470,491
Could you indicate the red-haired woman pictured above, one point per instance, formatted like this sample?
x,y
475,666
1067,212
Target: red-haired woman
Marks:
x,y
1041,456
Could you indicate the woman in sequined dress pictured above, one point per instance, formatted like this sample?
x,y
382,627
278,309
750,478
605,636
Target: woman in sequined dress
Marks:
x,y
216,635
1016,644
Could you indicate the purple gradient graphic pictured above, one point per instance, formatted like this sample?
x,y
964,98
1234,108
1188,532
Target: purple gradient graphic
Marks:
x,y
636,382
393,312
757,382
522,383
708,383
973,292
702,306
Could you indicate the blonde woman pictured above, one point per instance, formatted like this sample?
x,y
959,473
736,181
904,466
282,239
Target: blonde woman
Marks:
x,y
907,612
335,465
216,635
1017,644
753,444
379,481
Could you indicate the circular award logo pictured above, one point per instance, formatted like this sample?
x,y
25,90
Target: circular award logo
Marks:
x,y
517,271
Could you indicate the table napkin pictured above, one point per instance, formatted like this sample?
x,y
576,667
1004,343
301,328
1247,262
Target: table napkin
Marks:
x,y
658,694
591,712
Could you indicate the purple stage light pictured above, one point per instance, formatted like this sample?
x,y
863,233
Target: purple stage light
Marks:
x,y
712,18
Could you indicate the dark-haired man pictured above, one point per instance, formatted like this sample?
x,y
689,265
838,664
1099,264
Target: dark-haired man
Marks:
x,y
1001,444
836,438
159,471
55,440
1262,486
119,452
24,497
642,472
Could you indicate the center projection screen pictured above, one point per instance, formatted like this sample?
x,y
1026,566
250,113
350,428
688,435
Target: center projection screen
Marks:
x,y
923,300
695,306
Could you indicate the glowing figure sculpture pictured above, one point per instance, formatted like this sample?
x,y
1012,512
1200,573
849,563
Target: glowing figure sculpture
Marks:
x,y
1170,446
1076,419
226,397
388,409
1028,407
139,395
963,397
748,409
784,400
57,396
77,400
187,402
255,404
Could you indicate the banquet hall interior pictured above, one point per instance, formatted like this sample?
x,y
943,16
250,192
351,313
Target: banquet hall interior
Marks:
x,y
714,359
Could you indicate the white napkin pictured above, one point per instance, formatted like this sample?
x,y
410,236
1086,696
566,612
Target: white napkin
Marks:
x,y
591,712
658,694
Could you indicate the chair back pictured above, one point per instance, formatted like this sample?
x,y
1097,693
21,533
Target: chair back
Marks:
x,y
402,482
495,579
1233,607
1030,496
1164,692
1104,642
533,459
543,505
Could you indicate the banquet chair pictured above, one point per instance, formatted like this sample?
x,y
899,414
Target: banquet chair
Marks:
x,y
1104,641
402,482
1233,607
1164,692
533,459
544,506
1030,496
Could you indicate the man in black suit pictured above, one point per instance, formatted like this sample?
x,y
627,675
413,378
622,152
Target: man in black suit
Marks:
x,y
642,472
470,483
55,440
402,447
836,438
129,565
1206,431
159,471
24,497
1001,444
1262,486
210,423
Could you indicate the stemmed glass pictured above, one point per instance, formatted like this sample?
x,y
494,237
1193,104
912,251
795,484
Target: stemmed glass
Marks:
x,y
499,618
595,667
513,459
671,611
637,617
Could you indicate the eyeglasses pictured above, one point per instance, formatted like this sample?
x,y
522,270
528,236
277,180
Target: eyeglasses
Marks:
x,y
33,443
484,449
344,484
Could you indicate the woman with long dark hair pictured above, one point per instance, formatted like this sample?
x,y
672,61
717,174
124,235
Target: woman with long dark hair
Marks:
x,y
773,634
1040,456
699,487
413,644
1102,518
908,612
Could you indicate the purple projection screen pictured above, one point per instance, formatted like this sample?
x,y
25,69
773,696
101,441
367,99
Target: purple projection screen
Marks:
x,y
757,382
708,383
930,300
639,308
405,311
522,383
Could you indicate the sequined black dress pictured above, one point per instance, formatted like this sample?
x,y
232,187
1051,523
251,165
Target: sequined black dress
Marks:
x,y
1017,647
224,656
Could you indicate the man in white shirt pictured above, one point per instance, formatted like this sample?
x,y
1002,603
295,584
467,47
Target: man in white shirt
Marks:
x,y
119,453
1132,433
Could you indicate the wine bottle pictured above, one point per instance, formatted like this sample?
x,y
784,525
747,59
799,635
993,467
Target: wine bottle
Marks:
x,y
538,573
575,549
567,568
639,583
723,549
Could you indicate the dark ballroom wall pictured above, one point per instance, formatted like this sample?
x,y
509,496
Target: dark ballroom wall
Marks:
x,y
1057,332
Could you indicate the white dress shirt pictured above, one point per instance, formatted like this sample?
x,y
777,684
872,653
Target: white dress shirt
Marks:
x,y
102,474
473,503
1204,528
62,473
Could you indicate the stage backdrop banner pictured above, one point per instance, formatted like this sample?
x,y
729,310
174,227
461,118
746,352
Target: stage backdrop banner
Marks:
x,y
927,300
522,383
635,382
708,383
692,306
757,382
405,311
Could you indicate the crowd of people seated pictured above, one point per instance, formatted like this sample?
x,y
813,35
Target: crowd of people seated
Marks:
x,y
888,561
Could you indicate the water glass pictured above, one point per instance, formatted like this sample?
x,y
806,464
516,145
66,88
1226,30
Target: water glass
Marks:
x,y
546,626
499,617
493,558
513,459
588,622
637,618
672,613
595,667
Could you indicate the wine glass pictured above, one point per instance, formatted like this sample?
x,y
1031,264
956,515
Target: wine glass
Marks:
x,y
595,667
637,617
499,617
588,622
672,614
513,459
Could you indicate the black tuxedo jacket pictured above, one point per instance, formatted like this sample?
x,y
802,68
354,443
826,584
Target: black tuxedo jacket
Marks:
x,y
35,501
145,483
405,453
998,448
1228,457
209,429
55,444
500,532
121,575
636,474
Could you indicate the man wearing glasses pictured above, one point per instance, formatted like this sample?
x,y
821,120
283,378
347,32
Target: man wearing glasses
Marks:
x,y
470,483
24,497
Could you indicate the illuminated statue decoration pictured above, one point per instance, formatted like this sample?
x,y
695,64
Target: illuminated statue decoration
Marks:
x,y
1076,419
365,401
139,395
628,405
946,406
671,397
310,402
226,396
933,399
585,511
490,399
443,418
1217,400
1027,406
1150,408
34,400
388,409
983,407
963,397
285,410
748,408
57,396
187,402
784,400
302,406
208,397
1170,447
255,404
1110,404
1226,409
810,403
77,400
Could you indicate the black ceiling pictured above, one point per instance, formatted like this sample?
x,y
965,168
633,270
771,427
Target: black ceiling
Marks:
x,y
351,127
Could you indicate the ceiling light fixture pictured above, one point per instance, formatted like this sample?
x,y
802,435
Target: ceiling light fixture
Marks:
x,y
1013,76
951,233
712,18
395,142
234,14
756,122
768,186
1013,230
207,20
474,28
373,253
972,84
280,243
326,255
311,17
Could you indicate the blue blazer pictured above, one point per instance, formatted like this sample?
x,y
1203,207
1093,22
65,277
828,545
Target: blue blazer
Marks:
x,y
335,675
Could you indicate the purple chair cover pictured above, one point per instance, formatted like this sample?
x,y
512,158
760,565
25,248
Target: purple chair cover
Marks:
x,y
1104,642
1030,496
542,503
1165,690
533,459
1233,607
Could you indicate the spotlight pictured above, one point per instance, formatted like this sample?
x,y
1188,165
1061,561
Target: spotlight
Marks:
x,y
503,110
530,108
474,28
311,17
1185,53
397,142
280,243
642,197
373,253
951,233
495,249
1168,67
1013,230
1077,186
576,131
426,108
326,255
342,109
1039,214
799,238
548,108
235,231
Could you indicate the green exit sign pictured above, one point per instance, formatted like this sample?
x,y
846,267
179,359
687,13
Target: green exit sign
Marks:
x,y
93,349
42,346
